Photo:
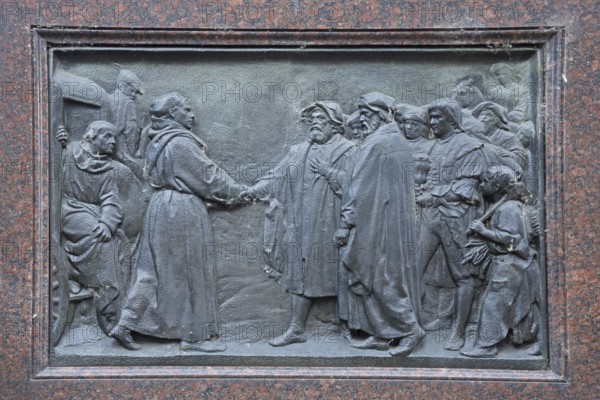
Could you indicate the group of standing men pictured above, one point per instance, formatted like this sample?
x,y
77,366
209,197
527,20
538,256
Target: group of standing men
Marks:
x,y
358,211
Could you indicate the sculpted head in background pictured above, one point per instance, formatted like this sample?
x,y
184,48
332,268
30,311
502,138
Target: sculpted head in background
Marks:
x,y
355,126
468,91
101,137
129,84
175,107
492,116
444,117
505,74
375,109
414,123
326,119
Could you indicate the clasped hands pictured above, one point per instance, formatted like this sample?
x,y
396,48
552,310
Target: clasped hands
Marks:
x,y
103,232
251,194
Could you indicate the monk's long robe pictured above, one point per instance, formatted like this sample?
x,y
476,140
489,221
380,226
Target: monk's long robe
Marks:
x,y
173,291
91,197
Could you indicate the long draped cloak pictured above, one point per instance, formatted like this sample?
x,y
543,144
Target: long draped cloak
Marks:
x,y
301,224
378,205
91,197
173,291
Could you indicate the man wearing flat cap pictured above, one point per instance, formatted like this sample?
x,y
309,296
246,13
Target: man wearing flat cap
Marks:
x,y
377,235
450,204
497,130
415,124
304,191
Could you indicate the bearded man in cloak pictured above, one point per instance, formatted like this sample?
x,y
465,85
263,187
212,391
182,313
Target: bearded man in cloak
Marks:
x,y
377,234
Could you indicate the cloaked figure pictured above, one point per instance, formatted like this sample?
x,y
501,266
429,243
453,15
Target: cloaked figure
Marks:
x,y
305,190
173,290
124,110
377,234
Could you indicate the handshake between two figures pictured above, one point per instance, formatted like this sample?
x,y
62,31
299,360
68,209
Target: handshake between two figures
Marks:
x,y
252,194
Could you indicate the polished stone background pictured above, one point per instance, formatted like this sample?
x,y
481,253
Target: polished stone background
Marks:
x,y
20,373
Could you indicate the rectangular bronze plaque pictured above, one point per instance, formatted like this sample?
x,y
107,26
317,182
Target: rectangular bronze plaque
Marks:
x,y
247,105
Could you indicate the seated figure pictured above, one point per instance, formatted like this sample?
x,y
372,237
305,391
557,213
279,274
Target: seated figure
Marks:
x,y
96,247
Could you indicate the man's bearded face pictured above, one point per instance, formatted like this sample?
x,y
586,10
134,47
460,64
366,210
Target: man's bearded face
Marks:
x,y
357,131
370,120
321,127
489,120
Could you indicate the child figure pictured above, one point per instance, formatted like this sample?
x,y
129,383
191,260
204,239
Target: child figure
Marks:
x,y
509,300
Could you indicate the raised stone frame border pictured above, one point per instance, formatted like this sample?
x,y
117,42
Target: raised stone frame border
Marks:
x,y
548,40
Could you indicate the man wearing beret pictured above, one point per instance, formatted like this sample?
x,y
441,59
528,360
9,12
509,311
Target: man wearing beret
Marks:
x,y
377,234
305,190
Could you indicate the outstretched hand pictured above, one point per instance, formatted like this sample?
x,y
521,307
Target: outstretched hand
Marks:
x,y
260,193
424,199
246,196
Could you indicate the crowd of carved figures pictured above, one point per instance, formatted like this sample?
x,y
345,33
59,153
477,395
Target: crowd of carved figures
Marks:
x,y
428,212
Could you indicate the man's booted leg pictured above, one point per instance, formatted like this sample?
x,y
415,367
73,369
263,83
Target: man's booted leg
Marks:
x,y
295,333
463,302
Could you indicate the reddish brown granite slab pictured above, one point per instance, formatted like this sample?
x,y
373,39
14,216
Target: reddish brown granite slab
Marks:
x,y
572,183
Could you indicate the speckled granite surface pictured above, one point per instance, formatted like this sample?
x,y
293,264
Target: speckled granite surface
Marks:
x,y
572,182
